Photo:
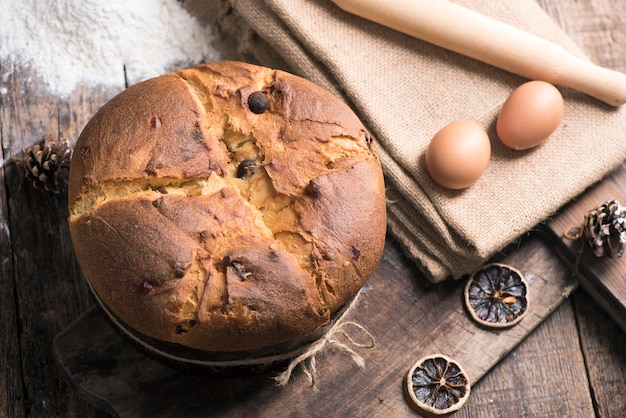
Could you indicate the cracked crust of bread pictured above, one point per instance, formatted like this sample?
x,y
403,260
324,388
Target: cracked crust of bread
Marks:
x,y
199,222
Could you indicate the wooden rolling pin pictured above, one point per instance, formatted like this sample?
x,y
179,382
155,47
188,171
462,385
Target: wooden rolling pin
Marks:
x,y
464,31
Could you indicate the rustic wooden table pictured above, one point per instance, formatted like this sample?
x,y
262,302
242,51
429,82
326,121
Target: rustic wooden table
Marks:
x,y
572,364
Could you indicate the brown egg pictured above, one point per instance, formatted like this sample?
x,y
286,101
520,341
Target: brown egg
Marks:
x,y
458,154
530,115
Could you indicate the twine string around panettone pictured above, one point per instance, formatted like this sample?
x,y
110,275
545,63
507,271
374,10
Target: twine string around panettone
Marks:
x,y
304,356
307,360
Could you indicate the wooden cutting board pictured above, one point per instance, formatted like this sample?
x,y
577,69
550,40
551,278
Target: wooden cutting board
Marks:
x,y
407,316
603,278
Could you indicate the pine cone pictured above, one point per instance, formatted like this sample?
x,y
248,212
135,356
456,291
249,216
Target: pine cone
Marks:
x,y
47,164
604,229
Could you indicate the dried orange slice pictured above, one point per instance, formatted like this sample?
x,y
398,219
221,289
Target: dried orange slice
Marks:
x,y
437,385
497,296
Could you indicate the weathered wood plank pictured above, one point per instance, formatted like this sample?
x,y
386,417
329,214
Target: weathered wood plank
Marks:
x,y
602,343
602,278
543,377
201,9
597,26
11,394
45,278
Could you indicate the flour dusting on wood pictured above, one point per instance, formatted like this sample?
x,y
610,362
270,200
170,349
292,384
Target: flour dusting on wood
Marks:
x,y
90,42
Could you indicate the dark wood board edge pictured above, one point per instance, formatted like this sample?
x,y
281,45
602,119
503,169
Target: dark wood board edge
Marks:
x,y
589,281
11,385
63,346
603,278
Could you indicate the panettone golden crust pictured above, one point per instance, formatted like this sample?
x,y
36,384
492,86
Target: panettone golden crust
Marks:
x,y
200,222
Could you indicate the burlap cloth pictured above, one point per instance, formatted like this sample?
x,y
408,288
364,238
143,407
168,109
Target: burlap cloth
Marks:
x,y
404,90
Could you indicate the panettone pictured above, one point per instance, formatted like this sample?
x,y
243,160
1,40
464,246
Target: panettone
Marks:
x,y
226,208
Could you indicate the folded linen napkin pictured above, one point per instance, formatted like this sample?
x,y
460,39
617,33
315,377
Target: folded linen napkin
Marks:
x,y
405,90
